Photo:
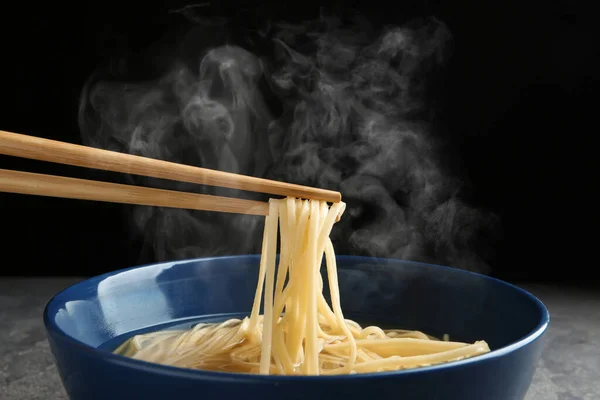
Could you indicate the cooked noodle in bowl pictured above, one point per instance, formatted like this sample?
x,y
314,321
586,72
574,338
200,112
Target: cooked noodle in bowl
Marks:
x,y
299,332
188,329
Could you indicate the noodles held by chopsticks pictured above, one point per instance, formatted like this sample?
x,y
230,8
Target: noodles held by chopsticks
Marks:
x,y
299,332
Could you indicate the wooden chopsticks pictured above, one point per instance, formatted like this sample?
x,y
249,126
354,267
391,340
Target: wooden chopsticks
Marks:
x,y
24,146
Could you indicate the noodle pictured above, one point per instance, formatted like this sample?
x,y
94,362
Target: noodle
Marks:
x,y
299,333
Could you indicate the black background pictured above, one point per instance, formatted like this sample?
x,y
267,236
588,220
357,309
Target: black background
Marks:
x,y
516,99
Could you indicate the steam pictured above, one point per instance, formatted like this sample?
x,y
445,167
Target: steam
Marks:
x,y
350,114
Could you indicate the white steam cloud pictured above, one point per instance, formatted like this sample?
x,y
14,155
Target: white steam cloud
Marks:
x,y
335,105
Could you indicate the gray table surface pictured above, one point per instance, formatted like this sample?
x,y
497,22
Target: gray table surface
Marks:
x,y
569,368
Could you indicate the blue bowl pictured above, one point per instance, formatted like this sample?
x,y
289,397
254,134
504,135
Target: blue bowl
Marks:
x,y
88,320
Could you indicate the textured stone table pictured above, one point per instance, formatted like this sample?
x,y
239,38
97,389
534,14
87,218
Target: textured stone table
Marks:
x,y
569,368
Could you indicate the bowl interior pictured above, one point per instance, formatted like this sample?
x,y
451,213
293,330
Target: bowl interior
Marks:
x,y
389,293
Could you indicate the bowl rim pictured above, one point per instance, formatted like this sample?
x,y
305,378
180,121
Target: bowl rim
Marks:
x,y
53,328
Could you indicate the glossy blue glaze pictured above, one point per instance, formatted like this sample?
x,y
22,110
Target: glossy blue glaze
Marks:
x,y
393,293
